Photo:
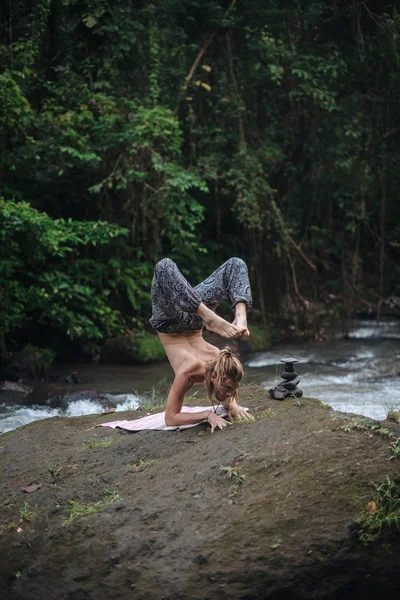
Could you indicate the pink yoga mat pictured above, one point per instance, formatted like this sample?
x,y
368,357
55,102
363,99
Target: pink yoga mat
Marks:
x,y
157,421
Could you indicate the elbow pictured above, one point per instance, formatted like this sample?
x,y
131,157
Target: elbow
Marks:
x,y
169,420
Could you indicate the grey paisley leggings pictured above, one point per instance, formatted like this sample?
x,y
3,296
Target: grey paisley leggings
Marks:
x,y
175,301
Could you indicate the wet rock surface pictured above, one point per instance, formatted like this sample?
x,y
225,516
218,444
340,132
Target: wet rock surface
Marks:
x,y
13,386
256,511
30,363
54,397
132,349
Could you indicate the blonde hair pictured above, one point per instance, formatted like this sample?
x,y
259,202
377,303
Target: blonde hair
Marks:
x,y
227,366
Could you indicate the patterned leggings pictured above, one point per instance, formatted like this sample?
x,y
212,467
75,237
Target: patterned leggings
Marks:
x,y
175,301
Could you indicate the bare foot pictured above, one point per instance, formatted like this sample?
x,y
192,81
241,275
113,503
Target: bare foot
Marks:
x,y
241,323
218,325
222,327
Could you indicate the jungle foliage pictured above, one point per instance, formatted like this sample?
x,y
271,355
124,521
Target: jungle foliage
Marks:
x,y
130,131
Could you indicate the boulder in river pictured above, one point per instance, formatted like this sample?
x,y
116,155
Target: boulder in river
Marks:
x,y
287,507
14,386
68,378
132,349
29,363
54,397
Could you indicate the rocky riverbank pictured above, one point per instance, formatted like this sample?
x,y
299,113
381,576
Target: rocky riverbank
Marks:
x,y
262,510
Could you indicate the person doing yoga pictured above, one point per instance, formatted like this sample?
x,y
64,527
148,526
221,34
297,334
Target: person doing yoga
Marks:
x,y
180,313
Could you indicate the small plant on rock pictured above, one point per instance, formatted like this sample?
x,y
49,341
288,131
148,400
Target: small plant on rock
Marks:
x,y
93,444
54,472
382,514
156,397
142,465
25,513
205,432
76,510
234,474
266,413
236,477
395,448
393,413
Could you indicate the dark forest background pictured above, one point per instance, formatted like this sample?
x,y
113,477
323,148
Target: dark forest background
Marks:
x,y
197,130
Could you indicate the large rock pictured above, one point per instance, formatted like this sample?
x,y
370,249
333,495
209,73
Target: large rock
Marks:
x,y
259,511
13,393
29,363
54,397
14,386
132,349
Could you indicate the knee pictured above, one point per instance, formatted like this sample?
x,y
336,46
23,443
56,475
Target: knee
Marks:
x,y
163,264
236,262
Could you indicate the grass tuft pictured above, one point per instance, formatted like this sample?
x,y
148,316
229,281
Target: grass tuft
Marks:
x,y
26,514
142,465
382,514
266,413
156,397
395,448
75,509
234,474
393,413
205,432
101,443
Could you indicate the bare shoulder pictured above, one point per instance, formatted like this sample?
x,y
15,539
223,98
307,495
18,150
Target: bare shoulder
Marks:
x,y
204,350
213,351
192,367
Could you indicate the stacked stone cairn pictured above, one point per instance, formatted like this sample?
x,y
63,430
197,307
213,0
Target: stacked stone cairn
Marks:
x,y
288,388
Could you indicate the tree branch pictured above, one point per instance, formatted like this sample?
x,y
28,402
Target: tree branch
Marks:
x,y
304,302
200,55
291,240
242,139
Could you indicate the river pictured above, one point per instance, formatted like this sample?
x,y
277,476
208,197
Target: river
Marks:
x,y
359,374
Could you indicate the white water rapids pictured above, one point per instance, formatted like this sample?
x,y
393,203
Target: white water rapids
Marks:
x,y
12,417
360,374
357,375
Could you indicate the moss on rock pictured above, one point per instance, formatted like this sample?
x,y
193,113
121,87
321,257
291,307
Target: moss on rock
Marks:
x,y
31,362
132,349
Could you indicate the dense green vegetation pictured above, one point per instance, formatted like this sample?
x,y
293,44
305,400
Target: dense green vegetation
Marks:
x,y
130,131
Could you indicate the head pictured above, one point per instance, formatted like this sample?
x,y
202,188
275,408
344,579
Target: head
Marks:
x,y
223,376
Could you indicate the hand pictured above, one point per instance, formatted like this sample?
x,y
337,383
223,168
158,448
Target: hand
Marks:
x,y
235,412
216,421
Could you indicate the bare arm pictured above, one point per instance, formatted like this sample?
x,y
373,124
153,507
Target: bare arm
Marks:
x,y
173,415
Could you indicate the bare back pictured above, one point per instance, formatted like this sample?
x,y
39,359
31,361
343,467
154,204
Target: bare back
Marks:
x,y
188,352
189,355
